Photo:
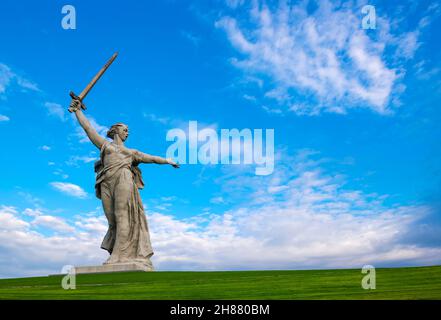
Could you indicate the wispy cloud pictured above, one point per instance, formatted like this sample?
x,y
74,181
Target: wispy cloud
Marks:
x,y
29,198
217,200
9,77
27,84
74,160
69,189
6,75
3,118
56,110
322,54
234,3
155,118
61,173
191,37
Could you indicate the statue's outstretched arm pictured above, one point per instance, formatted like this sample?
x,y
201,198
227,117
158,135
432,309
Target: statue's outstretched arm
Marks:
x,y
142,157
96,139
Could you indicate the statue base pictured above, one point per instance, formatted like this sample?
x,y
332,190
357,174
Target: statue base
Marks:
x,y
114,267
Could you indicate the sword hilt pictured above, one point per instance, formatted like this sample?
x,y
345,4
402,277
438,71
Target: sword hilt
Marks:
x,y
75,97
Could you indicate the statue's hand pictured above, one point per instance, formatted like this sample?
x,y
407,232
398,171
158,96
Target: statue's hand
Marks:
x,y
172,163
75,105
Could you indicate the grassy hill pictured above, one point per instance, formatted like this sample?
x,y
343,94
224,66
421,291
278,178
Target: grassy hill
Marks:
x,y
391,283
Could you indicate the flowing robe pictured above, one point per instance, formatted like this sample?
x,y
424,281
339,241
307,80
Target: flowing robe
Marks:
x,y
117,182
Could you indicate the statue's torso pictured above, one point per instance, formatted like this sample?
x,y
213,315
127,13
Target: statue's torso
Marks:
x,y
117,161
114,153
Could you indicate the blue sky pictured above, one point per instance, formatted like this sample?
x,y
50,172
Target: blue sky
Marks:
x,y
355,113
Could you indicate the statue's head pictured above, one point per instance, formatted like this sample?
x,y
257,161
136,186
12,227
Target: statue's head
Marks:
x,y
120,129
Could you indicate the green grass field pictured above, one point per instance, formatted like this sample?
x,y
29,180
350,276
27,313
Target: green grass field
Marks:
x,y
394,283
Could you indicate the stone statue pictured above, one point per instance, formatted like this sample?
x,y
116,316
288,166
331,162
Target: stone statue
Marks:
x,y
118,179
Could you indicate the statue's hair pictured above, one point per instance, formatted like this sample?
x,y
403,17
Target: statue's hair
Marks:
x,y
113,129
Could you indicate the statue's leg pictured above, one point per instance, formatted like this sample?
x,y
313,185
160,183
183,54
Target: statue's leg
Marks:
x,y
122,198
107,201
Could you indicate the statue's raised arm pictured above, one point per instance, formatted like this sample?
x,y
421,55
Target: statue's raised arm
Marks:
x,y
93,135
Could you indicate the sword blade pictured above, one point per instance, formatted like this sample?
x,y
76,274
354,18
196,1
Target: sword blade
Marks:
x,y
97,77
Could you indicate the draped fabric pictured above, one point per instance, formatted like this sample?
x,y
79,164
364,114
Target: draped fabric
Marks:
x,y
117,182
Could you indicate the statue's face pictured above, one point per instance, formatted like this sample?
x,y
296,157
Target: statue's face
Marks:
x,y
123,132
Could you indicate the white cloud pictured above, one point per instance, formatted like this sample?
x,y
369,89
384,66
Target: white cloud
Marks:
x,y
8,77
272,110
92,224
249,97
60,172
276,189
26,84
73,160
9,219
45,148
299,217
191,37
32,212
279,238
69,189
323,55
53,223
24,251
408,44
234,3
28,197
3,118
217,200
56,110
155,118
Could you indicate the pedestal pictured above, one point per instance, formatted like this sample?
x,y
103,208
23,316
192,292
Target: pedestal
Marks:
x,y
115,267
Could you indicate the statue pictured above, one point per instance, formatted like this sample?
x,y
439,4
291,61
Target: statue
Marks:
x,y
118,179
